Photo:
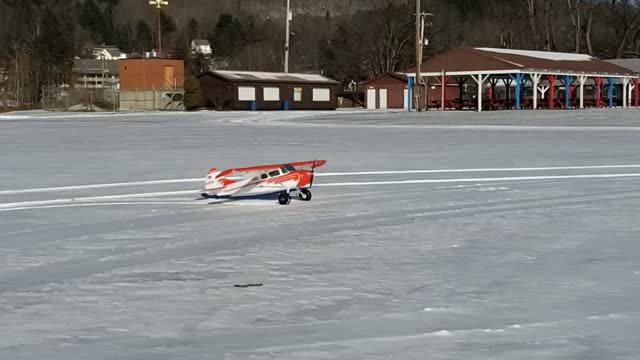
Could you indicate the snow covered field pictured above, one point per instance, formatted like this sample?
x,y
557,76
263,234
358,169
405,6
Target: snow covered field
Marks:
x,y
502,235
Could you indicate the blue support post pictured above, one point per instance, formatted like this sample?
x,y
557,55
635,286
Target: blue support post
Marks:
x,y
610,80
409,92
567,87
518,79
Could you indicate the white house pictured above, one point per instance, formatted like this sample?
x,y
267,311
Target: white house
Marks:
x,y
201,46
108,53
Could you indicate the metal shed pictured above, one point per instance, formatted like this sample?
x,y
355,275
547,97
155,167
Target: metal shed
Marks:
x,y
252,90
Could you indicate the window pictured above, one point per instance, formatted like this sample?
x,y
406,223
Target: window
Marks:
x,y
321,94
271,94
297,94
246,93
274,173
264,176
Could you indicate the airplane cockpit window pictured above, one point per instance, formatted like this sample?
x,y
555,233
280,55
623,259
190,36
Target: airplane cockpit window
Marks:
x,y
286,168
274,173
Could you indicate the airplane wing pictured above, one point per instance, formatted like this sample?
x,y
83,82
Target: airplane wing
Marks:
x,y
249,171
309,164
235,188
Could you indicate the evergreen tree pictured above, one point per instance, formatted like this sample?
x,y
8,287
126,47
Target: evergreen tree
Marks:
x,y
192,93
192,30
143,37
56,47
96,22
227,36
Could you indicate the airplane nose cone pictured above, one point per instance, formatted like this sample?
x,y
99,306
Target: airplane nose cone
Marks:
x,y
305,179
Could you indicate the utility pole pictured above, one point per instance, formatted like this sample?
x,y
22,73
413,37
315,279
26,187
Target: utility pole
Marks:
x,y
286,45
417,82
420,43
159,4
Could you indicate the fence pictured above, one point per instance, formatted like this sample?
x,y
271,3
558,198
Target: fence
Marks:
x,y
153,100
79,99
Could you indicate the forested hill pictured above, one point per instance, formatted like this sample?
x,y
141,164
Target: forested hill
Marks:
x,y
203,9
349,40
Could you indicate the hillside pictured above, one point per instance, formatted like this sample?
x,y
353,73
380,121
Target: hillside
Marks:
x,y
210,9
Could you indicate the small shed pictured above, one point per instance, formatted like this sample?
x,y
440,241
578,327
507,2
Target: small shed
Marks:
x,y
252,90
388,91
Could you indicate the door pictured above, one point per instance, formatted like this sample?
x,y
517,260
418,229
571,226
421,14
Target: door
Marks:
x,y
371,99
383,98
406,99
168,77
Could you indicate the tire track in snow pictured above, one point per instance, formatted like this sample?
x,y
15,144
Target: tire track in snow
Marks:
x,y
382,172
27,204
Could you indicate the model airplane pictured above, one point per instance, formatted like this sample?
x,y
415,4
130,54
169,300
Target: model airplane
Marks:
x,y
282,179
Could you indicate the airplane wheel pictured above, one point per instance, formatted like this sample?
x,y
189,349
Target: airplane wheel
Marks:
x,y
284,199
304,195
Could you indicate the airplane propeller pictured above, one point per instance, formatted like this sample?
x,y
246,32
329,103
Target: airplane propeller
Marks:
x,y
313,172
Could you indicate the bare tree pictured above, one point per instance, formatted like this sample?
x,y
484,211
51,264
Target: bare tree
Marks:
x,y
576,20
549,26
532,14
624,17
588,5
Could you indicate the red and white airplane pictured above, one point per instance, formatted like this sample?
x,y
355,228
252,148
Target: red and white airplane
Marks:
x,y
282,179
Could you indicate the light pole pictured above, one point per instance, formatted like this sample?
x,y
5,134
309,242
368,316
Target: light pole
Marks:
x,y
286,45
159,4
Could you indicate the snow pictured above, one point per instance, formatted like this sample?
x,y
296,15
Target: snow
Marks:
x,y
554,56
459,235
272,76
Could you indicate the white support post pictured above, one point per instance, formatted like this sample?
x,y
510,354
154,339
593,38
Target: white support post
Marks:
x,y
543,90
625,85
535,79
632,87
480,80
583,80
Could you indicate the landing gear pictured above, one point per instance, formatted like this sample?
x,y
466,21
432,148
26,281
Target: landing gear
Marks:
x,y
284,198
304,195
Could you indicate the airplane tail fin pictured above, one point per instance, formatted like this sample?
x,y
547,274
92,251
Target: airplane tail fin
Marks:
x,y
211,182
214,181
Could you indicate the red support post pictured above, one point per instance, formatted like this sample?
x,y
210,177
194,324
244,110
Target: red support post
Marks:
x,y
442,81
598,90
552,92
635,83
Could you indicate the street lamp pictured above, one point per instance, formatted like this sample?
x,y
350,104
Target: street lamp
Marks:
x,y
159,4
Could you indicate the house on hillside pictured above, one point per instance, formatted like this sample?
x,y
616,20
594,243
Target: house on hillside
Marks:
x,y
107,53
201,46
